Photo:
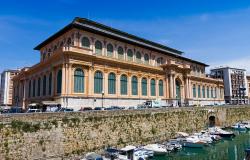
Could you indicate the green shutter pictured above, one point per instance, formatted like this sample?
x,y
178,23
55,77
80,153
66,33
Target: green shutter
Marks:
x,y
152,86
79,81
98,47
98,82
144,86
160,88
130,55
203,92
199,91
146,59
85,42
59,81
110,50
120,53
124,85
111,83
134,86
194,91
208,92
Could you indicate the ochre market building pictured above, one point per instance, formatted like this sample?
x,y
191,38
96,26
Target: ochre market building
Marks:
x,y
88,64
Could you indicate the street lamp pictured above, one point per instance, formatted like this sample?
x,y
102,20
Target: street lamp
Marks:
x,y
102,97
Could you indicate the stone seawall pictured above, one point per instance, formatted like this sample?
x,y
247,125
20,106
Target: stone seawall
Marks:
x,y
67,135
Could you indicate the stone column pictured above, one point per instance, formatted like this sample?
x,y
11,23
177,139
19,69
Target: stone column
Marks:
x,y
105,86
70,79
166,89
53,88
157,87
118,85
129,85
90,88
174,87
170,86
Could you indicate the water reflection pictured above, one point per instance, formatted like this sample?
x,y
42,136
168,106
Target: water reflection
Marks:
x,y
227,149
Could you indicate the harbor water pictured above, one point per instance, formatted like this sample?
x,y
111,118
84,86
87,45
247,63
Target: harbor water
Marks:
x,y
227,149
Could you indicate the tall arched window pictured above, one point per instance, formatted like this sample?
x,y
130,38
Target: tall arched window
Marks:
x,y
215,92
124,85
98,82
50,83
203,92
199,91
85,42
29,88
44,85
34,88
212,92
138,57
194,91
159,61
146,59
110,50
208,93
120,53
111,83
39,87
144,87
134,85
130,55
152,87
98,47
79,81
160,88
59,82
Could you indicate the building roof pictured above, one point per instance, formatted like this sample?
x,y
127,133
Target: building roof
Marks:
x,y
227,67
98,28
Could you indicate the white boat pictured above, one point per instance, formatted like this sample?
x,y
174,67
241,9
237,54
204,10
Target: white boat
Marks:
x,y
158,149
173,144
193,142
220,132
131,152
247,124
93,156
204,136
239,126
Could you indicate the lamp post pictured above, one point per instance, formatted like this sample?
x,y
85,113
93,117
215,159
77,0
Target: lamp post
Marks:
x,y
102,97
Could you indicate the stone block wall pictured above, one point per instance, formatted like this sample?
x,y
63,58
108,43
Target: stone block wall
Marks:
x,y
68,135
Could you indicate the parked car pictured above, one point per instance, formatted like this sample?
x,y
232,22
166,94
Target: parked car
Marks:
x,y
86,109
34,111
65,110
99,108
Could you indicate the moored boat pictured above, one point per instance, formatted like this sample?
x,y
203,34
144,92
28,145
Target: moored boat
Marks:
x,y
220,132
193,142
158,149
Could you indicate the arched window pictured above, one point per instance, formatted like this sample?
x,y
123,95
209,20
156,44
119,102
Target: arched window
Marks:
x,y
69,41
124,85
29,88
215,92
50,83
111,83
39,87
120,53
79,81
34,88
160,88
59,82
146,59
110,50
194,91
208,93
144,87
152,87
203,92
85,42
134,85
98,47
44,85
199,91
130,55
98,82
159,61
138,57
212,92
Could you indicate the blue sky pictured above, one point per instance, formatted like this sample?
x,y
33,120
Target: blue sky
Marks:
x,y
216,32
